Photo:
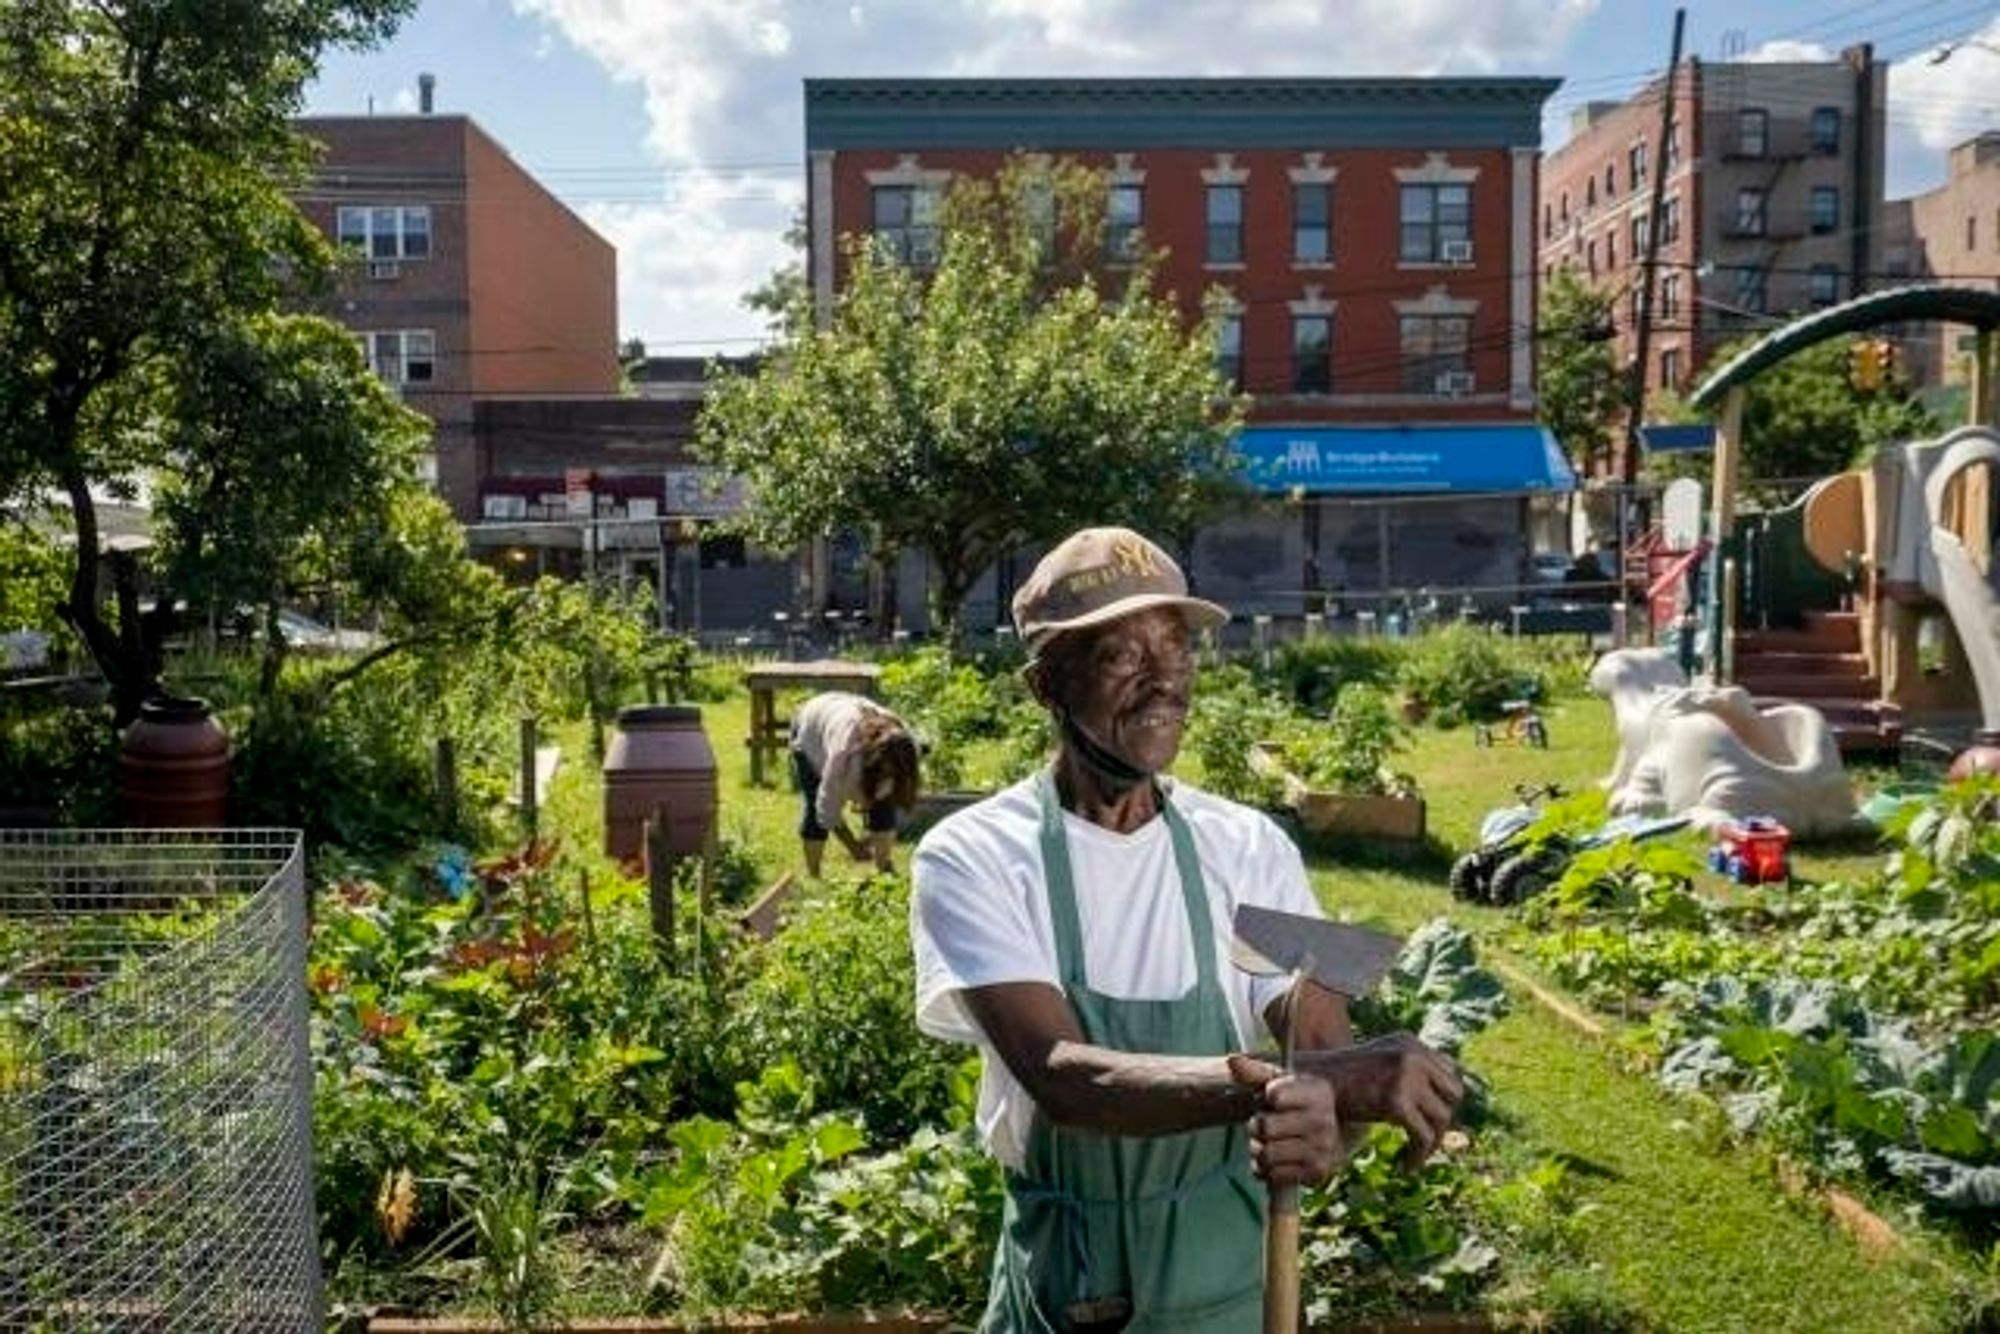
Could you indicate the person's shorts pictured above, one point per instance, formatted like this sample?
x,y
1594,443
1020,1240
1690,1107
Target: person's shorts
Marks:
x,y
881,814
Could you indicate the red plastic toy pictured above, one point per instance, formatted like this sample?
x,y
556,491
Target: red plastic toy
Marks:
x,y
1753,851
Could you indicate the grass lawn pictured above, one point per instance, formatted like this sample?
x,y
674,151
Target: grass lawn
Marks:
x,y
1683,1231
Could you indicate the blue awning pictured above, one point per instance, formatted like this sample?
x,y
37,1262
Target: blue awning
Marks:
x,y
1663,439
1341,459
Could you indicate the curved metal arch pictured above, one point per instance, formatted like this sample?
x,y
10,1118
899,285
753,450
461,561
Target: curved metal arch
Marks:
x,y
1953,305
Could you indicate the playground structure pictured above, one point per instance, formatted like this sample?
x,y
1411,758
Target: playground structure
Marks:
x,y
1905,541
1712,755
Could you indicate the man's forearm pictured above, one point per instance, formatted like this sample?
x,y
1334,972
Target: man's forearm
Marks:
x,y
1130,1093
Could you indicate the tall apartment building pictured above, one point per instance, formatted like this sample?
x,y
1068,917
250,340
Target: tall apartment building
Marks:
x,y
1954,236
1772,201
478,283
1373,241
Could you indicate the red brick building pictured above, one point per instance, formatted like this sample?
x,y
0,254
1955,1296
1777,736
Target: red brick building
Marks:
x,y
1374,241
478,283
1772,202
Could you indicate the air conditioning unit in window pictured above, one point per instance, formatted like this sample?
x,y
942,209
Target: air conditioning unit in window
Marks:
x,y
1454,383
384,269
1455,252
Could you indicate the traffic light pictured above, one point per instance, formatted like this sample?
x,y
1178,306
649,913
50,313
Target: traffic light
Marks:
x,y
1886,357
1864,364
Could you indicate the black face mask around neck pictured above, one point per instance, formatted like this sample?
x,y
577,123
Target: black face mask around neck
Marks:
x,y
1113,770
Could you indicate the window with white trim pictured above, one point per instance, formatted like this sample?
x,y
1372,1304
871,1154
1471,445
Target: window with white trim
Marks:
x,y
385,231
1670,296
1433,346
1225,224
1312,223
1670,368
905,223
401,356
1312,354
1229,349
1635,164
1125,215
1432,217
1670,220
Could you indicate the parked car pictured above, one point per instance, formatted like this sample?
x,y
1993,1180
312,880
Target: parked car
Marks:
x,y
306,635
1549,567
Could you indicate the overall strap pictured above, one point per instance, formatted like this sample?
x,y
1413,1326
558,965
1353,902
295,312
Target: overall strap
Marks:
x,y
1061,885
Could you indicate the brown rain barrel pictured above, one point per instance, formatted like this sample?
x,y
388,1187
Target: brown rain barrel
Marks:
x,y
659,757
173,768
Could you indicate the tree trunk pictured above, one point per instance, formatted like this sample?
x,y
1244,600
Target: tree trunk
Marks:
x,y
120,657
883,600
950,585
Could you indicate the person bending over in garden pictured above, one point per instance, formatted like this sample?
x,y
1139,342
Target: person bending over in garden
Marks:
x,y
849,749
1075,927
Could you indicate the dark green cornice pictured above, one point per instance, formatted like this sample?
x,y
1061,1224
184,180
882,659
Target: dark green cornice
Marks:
x,y
916,114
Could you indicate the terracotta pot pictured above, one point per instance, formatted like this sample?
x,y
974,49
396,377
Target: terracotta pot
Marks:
x,y
173,767
1981,757
660,757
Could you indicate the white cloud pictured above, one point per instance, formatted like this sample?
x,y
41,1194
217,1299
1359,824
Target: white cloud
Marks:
x,y
1787,52
720,81
1944,103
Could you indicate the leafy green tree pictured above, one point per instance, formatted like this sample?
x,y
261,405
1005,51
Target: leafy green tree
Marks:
x,y
1010,395
1580,390
146,148
1805,418
283,453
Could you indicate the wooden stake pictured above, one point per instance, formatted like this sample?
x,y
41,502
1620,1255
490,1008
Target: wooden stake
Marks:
x,y
530,813
446,781
660,883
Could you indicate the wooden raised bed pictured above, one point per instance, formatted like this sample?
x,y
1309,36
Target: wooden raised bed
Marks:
x,y
1338,815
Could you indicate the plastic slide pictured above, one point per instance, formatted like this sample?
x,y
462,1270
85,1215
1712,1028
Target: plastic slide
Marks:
x,y
1969,596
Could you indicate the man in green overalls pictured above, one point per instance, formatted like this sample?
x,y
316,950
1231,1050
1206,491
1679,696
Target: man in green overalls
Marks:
x,y
1075,926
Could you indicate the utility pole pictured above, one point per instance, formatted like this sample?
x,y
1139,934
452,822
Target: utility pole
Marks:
x,y
1628,465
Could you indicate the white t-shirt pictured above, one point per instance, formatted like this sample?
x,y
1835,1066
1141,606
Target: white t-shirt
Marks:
x,y
979,916
827,731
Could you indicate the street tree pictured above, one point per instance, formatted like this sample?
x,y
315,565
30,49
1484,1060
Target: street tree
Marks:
x,y
1806,418
146,149
1018,390
283,460
1581,391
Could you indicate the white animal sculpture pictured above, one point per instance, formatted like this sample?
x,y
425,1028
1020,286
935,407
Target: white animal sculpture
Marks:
x,y
1709,753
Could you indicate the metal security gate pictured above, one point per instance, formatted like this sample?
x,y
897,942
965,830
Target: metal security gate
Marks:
x,y
155,1083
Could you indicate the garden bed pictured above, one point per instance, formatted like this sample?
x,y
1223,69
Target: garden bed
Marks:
x,y
1392,816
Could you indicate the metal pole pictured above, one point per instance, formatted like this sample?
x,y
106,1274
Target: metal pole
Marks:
x,y
1980,395
1628,463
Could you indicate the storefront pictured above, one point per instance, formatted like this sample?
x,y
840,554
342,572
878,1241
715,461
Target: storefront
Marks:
x,y
1353,517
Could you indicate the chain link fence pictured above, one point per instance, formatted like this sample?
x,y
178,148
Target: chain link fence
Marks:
x,y
155,1083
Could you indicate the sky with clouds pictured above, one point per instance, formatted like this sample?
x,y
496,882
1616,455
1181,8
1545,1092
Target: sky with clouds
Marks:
x,y
674,126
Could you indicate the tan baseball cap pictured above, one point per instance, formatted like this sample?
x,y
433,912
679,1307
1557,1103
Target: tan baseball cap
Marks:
x,y
1099,575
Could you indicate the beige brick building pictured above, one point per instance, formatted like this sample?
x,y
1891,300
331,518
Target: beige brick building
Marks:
x,y
1955,238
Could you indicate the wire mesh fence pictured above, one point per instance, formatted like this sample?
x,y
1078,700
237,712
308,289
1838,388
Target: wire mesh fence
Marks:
x,y
155,1083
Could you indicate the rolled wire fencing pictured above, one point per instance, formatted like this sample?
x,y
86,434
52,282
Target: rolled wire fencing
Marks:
x,y
155,1083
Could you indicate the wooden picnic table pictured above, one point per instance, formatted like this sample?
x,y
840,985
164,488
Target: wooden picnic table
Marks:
x,y
769,732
